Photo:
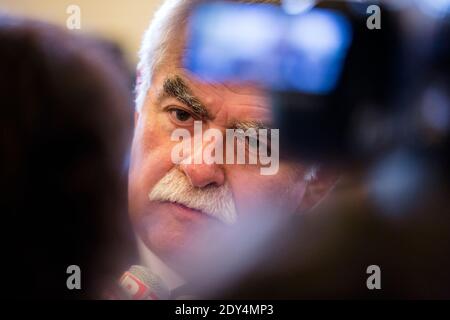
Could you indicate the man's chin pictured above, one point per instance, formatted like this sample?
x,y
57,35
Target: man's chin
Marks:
x,y
169,228
174,247
164,245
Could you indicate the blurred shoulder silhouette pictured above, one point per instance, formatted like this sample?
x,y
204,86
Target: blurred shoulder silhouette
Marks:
x,y
66,119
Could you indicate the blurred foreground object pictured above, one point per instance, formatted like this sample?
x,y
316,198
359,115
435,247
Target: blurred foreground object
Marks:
x,y
375,103
66,125
341,91
326,255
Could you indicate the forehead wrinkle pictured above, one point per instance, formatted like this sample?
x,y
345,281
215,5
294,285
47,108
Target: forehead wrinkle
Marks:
x,y
176,87
247,90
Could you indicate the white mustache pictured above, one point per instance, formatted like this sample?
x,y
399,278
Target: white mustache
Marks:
x,y
214,201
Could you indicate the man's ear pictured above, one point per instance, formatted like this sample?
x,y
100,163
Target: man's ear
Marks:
x,y
319,182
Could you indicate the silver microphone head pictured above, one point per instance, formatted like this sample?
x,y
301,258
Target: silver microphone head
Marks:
x,y
139,283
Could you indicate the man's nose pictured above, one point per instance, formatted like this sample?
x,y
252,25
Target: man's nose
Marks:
x,y
202,174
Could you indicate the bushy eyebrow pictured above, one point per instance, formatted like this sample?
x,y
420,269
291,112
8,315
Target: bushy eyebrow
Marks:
x,y
245,125
176,87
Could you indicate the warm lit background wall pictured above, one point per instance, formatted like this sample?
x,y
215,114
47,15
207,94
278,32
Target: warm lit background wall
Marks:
x,y
122,21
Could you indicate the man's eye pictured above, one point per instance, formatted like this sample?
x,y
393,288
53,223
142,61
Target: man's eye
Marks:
x,y
180,116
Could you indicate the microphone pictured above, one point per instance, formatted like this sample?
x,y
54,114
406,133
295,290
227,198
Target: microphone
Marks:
x,y
139,283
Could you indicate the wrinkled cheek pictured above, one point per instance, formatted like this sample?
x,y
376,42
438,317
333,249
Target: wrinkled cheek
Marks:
x,y
255,200
149,163
144,175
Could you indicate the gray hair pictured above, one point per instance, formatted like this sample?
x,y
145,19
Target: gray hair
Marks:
x,y
167,24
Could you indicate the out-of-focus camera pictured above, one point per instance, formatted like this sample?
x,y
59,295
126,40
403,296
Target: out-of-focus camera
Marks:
x,y
340,74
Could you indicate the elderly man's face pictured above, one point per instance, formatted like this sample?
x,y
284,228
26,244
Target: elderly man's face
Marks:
x,y
170,202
